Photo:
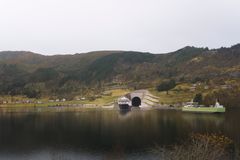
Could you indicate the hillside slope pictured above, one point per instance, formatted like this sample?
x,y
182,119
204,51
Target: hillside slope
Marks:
x,y
30,73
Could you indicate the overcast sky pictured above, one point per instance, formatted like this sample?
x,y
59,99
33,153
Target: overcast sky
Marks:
x,y
158,26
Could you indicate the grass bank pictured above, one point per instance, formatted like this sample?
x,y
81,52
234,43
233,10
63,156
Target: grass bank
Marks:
x,y
183,92
44,102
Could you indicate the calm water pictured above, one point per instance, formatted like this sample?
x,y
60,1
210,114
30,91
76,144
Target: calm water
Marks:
x,y
104,134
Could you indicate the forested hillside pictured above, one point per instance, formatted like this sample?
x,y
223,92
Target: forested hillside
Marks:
x,y
37,75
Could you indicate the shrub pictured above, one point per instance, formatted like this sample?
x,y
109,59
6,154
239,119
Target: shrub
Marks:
x,y
166,85
198,98
198,147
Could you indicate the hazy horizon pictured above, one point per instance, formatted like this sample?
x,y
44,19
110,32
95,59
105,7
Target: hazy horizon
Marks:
x,y
79,26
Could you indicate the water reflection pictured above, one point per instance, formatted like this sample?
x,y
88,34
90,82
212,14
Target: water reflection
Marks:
x,y
124,111
204,122
108,134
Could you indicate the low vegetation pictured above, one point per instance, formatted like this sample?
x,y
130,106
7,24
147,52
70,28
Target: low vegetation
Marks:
x,y
204,92
166,85
199,147
173,97
228,97
106,98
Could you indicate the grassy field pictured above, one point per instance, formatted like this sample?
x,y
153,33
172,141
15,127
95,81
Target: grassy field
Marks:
x,y
103,100
109,99
181,93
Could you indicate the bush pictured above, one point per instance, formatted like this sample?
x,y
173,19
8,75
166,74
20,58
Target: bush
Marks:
x,y
166,85
32,92
198,98
199,147
227,97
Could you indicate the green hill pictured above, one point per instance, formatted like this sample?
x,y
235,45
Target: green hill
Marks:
x,y
30,73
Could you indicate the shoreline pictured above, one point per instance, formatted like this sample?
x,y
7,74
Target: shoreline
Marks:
x,y
71,108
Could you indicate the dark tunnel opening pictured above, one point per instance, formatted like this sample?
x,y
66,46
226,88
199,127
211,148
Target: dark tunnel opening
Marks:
x,y
136,102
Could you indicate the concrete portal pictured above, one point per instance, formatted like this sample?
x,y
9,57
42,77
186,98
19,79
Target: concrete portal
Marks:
x,y
142,99
136,102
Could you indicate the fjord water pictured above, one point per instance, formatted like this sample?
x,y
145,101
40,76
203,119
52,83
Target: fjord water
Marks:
x,y
104,134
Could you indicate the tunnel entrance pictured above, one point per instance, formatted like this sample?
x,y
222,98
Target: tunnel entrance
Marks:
x,y
136,102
